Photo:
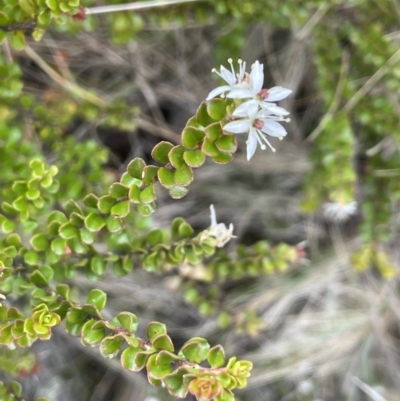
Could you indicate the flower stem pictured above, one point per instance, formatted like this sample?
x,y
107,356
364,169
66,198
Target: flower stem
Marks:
x,y
135,6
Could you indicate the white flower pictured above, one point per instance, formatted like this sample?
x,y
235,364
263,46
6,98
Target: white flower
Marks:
x,y
337,211
231,78
257,124
254,90
219,231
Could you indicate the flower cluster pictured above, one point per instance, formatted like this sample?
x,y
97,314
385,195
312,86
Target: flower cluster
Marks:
x,y
257,115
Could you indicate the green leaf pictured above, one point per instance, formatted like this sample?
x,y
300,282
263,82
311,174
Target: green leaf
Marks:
x,y
121,209
42,276
92,333
227,143
114,224
14,240
195,350
20,204
216,109
98,298
40,242
98,265
175,383
134,194
68,231
8,226
94,222
118,190
105,203
183,175
128,359
166,177
136,167
176,156
160,152
52,4
202,115
128,321
110,346
128,180
17,40
223,158
146,209
149,174
155,329
192,137
59,246
209,148
178,192
72,207
148,194
181,229
163,342
63,290
31,257
86,236
194,158
216,356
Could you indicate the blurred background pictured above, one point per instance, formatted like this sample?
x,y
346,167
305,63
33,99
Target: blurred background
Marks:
x,y
94,93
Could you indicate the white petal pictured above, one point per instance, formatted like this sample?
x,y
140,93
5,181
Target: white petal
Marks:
x,y
246,109
277,93
240,93
272,109
237,127
213,216
228,76
251,145
217,91
257,77
273,128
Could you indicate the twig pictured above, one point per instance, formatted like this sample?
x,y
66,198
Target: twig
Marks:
x,y
371,82
68,85
367,389
336,99
135,6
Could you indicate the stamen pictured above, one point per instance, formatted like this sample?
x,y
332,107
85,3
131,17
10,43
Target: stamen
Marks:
x,y
281,138
263,147
213,70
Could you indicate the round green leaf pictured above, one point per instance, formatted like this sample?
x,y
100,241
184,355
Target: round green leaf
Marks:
x,y
160,152
136,167
155,329
183,175
110,346
128,321
68,231
118,190
227,143
195,350
146,209
94,222
202,115
114,224
216,356
194,158
59,246
98,298
105,203
121,209
166,177
216,109
209,148
178,192
223,158
148,194
175,156
192,137
40,242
